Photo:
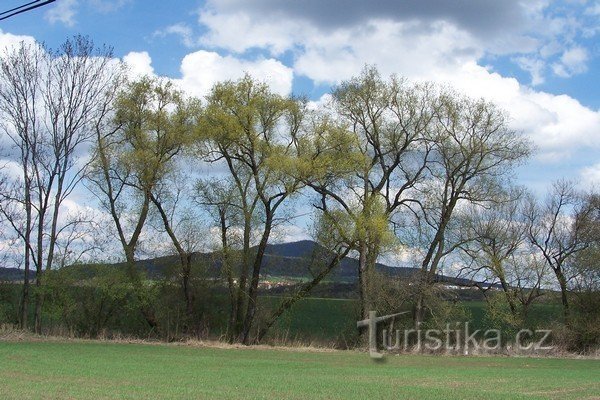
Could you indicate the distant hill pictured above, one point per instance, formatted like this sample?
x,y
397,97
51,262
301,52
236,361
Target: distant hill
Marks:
x,y
299,260
13,274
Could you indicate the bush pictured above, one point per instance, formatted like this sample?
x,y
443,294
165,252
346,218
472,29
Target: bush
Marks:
x,y
106,303
585,321
10,296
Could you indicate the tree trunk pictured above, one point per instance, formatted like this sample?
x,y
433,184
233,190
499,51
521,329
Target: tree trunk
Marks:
x,y
253,288
24,309
306,288
239,317
38,305
185,283
562,280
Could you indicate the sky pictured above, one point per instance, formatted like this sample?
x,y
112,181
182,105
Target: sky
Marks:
x,y
537,59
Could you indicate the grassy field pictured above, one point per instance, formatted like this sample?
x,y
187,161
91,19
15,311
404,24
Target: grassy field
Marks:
x,y
326,320
92,370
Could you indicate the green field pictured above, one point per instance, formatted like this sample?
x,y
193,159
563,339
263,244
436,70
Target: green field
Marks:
x,y
93,370
329,321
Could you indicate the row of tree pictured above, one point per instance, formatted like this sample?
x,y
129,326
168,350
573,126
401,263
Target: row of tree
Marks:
x,y
387,166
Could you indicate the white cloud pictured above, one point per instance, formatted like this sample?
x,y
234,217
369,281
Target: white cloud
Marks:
x,y
590,176
593,10
534,66
202,69
436,50
531,30
11,169
394,47
64,12
557,124
139,64
185,33
8,40
572,62
289,233
239,32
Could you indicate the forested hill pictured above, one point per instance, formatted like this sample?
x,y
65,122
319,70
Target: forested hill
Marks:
x,y
300,259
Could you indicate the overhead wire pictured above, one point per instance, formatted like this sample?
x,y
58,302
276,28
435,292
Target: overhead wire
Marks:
x,y
32,5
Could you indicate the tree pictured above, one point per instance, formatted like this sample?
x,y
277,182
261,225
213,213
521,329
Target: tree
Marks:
x,y
133,156
184,230
472,151
252,131
368,157
220,198
496,252
585,286
332,247
50,100
559,229
586,265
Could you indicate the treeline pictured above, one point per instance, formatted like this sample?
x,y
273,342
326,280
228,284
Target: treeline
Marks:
x,y
387,166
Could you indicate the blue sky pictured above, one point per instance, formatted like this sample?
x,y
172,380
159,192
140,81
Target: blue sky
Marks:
x,y
538,59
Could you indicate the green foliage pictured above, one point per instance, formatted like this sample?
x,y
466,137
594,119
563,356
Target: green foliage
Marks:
x,y
209,307
157,121
9,303
442,308
499,315
585,321
106,302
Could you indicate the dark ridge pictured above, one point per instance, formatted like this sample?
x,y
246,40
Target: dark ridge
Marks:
x,y
298,260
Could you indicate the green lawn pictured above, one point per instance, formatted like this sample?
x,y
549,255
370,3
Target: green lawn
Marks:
x,y
89,370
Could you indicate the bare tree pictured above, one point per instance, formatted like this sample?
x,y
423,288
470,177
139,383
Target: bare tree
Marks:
x,y
229,212
50,101
183,228
558,229
497,253
473,150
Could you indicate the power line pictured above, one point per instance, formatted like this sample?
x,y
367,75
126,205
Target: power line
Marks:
x,y
32,5
16,8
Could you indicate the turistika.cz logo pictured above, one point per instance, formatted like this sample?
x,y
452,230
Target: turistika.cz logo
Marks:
x,y
454,338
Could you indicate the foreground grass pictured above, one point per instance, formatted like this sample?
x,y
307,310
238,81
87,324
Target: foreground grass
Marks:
x,y
91,370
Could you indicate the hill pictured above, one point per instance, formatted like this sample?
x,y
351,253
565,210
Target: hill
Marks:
x,y
295,260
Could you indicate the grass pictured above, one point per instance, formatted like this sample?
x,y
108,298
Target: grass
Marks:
x,y
316,319
325,320
93,370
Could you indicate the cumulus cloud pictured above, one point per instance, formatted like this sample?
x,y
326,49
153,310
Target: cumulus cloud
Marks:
x,y
8,40
538,34
482,17
330,42
202,69
394,47
534,66
239,32
138,64
557,124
